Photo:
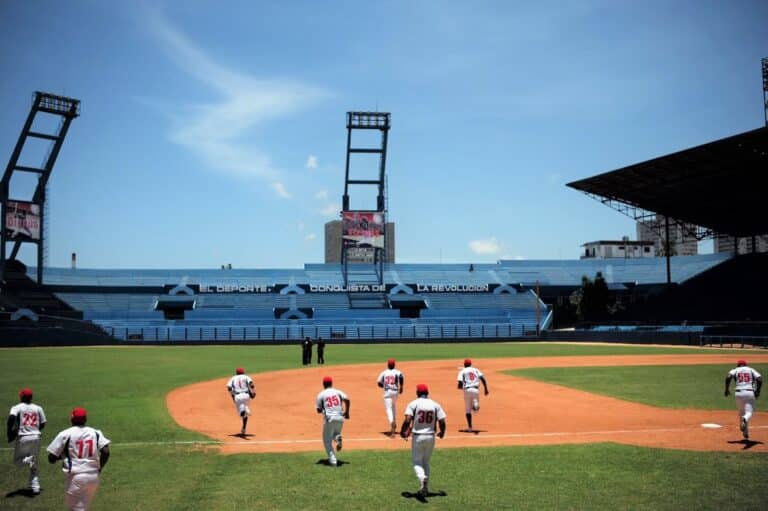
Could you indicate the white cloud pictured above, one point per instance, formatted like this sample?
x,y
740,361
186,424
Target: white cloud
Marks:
x,y
280,190
330,209
311,162
485,247
217,131
322,195
311,236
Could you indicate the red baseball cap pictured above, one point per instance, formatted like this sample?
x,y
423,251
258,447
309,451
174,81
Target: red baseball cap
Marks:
x,y
78,415
467,362
741,362
422,388
327,379
391,363
240,370
25,392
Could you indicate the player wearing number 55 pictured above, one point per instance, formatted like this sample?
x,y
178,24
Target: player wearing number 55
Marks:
x,y
334,405
84,452
748,384
26,421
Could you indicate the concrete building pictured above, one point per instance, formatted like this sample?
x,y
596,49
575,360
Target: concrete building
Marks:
x,y
361,255
618,249
725,243
682,243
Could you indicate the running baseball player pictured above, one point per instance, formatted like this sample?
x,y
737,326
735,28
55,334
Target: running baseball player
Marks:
x,y
84,452
748,384
334,405
422,415
469,381
391,380
242,390
26,421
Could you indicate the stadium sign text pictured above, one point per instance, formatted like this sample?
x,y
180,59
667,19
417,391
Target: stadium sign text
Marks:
x,y
235,288
452,288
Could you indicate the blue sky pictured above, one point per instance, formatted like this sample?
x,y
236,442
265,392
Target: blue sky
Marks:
x,y
214,132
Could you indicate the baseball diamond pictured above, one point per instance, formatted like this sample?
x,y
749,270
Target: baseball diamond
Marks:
x,y
519,412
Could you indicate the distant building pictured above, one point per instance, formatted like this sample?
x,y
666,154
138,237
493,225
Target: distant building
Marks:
x,y
333,245
618,249
681,241
725,243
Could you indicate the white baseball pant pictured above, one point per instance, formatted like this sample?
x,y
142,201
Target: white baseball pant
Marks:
x,y
421,452
390,402
80,490
471,400
746,401
241,403
331,432
26,452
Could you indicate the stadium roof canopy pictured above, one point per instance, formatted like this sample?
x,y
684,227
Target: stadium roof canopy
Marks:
x,y
720,186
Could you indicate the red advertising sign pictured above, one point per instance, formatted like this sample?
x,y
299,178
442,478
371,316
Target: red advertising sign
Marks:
x,y
22,220
362,229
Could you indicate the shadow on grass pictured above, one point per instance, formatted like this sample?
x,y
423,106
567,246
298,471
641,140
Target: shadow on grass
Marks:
x,y
24,492
410,495
748,444
327,463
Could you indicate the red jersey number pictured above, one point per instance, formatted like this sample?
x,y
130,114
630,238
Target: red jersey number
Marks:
x,y
332,401
29,420
425,417
84,448
744,377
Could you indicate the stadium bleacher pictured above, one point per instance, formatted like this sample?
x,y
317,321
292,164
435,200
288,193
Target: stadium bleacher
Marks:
x,y
459,300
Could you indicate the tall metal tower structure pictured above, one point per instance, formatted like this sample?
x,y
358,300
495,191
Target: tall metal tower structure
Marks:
x,y
765,88
364,230
24,217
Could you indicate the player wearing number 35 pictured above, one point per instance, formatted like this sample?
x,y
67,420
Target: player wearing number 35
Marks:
x,y
26,421
84,452
748,384
334,405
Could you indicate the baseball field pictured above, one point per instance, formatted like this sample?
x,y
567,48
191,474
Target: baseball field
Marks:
x,y
565,426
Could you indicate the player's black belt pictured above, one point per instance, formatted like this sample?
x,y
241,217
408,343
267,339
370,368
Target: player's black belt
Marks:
x,y
242,392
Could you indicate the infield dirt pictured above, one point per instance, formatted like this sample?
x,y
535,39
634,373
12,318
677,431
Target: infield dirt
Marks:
x,y
518,411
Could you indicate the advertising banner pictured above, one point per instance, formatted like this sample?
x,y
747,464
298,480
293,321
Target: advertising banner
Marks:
x,y
22,220
362,229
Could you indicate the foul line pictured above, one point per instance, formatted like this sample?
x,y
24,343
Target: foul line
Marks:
x,y
470,436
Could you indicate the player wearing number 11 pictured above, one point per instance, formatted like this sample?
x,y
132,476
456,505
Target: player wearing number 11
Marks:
x,y
84,451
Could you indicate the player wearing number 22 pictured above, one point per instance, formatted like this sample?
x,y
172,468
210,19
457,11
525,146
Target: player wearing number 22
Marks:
x,y
334,405
391,380
469,380
422,416
748,384
26,421
84,451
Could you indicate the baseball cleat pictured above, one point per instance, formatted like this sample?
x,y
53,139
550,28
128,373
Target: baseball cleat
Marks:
x,y
242,432
743,424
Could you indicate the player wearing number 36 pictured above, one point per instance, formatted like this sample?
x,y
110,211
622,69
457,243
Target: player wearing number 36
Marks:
x,y
334,405
26,421
422,415
748,384
84,451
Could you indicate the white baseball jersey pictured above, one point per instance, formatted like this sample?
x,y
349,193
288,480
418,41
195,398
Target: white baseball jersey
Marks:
x,y
745,377
390,379
470,377
80,447
30,417
425,413
329,401
239,383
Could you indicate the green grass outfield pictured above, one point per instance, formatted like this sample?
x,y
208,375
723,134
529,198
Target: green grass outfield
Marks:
x,y
124,390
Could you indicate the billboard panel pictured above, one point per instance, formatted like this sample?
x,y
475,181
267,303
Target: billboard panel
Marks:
x,y
362,229
22,220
